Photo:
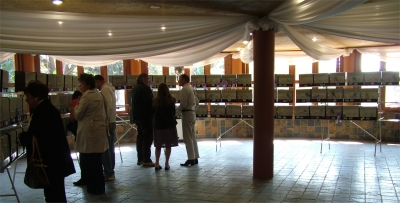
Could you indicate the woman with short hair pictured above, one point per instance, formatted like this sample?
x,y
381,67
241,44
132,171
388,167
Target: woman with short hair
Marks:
x,y
91,139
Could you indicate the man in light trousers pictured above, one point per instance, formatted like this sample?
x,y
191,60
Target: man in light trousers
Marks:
x,y
108,157
188,104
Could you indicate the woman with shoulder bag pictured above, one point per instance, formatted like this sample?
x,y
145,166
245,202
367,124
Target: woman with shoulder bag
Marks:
x,y
47,127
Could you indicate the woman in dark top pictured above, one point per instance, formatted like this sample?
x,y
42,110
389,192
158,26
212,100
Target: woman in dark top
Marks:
x,y
47,126
165,134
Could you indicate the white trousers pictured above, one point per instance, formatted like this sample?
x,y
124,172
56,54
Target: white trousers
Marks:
x,y
188,122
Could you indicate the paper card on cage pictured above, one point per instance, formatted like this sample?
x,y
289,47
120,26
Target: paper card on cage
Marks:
x,y
229,79
284,80
198,80
247,111
351,113
302,112
369,95
170,80
228,96
306,80
201,94
317,112
202,110
321,79
372,78
318,95
131,81
52,82
233,111
368,113
352,95
217,111
244,95
284,112
390,78
303,95
176,95
285,96
355,78
337,79
118,81
335,95
332,112
213,80
157,80
244,80
213,95
68,83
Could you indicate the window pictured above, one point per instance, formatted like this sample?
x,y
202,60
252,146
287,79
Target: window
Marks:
x,y
281,66
47,64
8,65
199,70
70,69
116,68
218,67
303,67
154,69
370,63
327,66
392,93
91,70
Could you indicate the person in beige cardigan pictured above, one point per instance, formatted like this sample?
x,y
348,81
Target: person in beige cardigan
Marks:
x,y
91,139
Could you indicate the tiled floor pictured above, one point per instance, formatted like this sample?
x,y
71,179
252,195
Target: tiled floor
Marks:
x,y
348,172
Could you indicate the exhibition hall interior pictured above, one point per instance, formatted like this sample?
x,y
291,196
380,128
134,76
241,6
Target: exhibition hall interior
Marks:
x,y
299,101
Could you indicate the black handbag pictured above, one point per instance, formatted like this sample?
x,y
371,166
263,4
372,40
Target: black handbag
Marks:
x,y
35,175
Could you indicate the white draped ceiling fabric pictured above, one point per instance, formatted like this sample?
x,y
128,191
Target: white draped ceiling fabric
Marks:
x,y
94,40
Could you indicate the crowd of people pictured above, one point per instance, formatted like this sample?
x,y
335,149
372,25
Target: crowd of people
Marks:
x,y
93,122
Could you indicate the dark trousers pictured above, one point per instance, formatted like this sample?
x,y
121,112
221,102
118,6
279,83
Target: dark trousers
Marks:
x,y
56,191
92,172
144,140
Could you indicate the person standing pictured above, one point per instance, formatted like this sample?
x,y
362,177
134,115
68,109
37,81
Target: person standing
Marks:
x,y
91,141
47,126
189,102
142,115
108,157
165,134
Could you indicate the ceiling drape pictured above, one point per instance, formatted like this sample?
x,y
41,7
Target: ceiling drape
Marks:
x,y
93,40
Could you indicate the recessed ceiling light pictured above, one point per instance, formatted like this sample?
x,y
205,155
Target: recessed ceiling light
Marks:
x,y
57,2
60,22
163,28
155,7
245,42
109,34
314,39
251,33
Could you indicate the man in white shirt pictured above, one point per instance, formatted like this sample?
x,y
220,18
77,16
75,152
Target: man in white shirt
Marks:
x,y
189,102
108,157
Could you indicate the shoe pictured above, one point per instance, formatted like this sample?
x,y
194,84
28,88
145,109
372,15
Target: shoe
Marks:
x,y
80,182
149,164
139,163
109,178
189,163
166,168
158,168
196,161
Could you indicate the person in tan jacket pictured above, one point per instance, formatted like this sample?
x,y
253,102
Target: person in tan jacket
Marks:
x,y
91,139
